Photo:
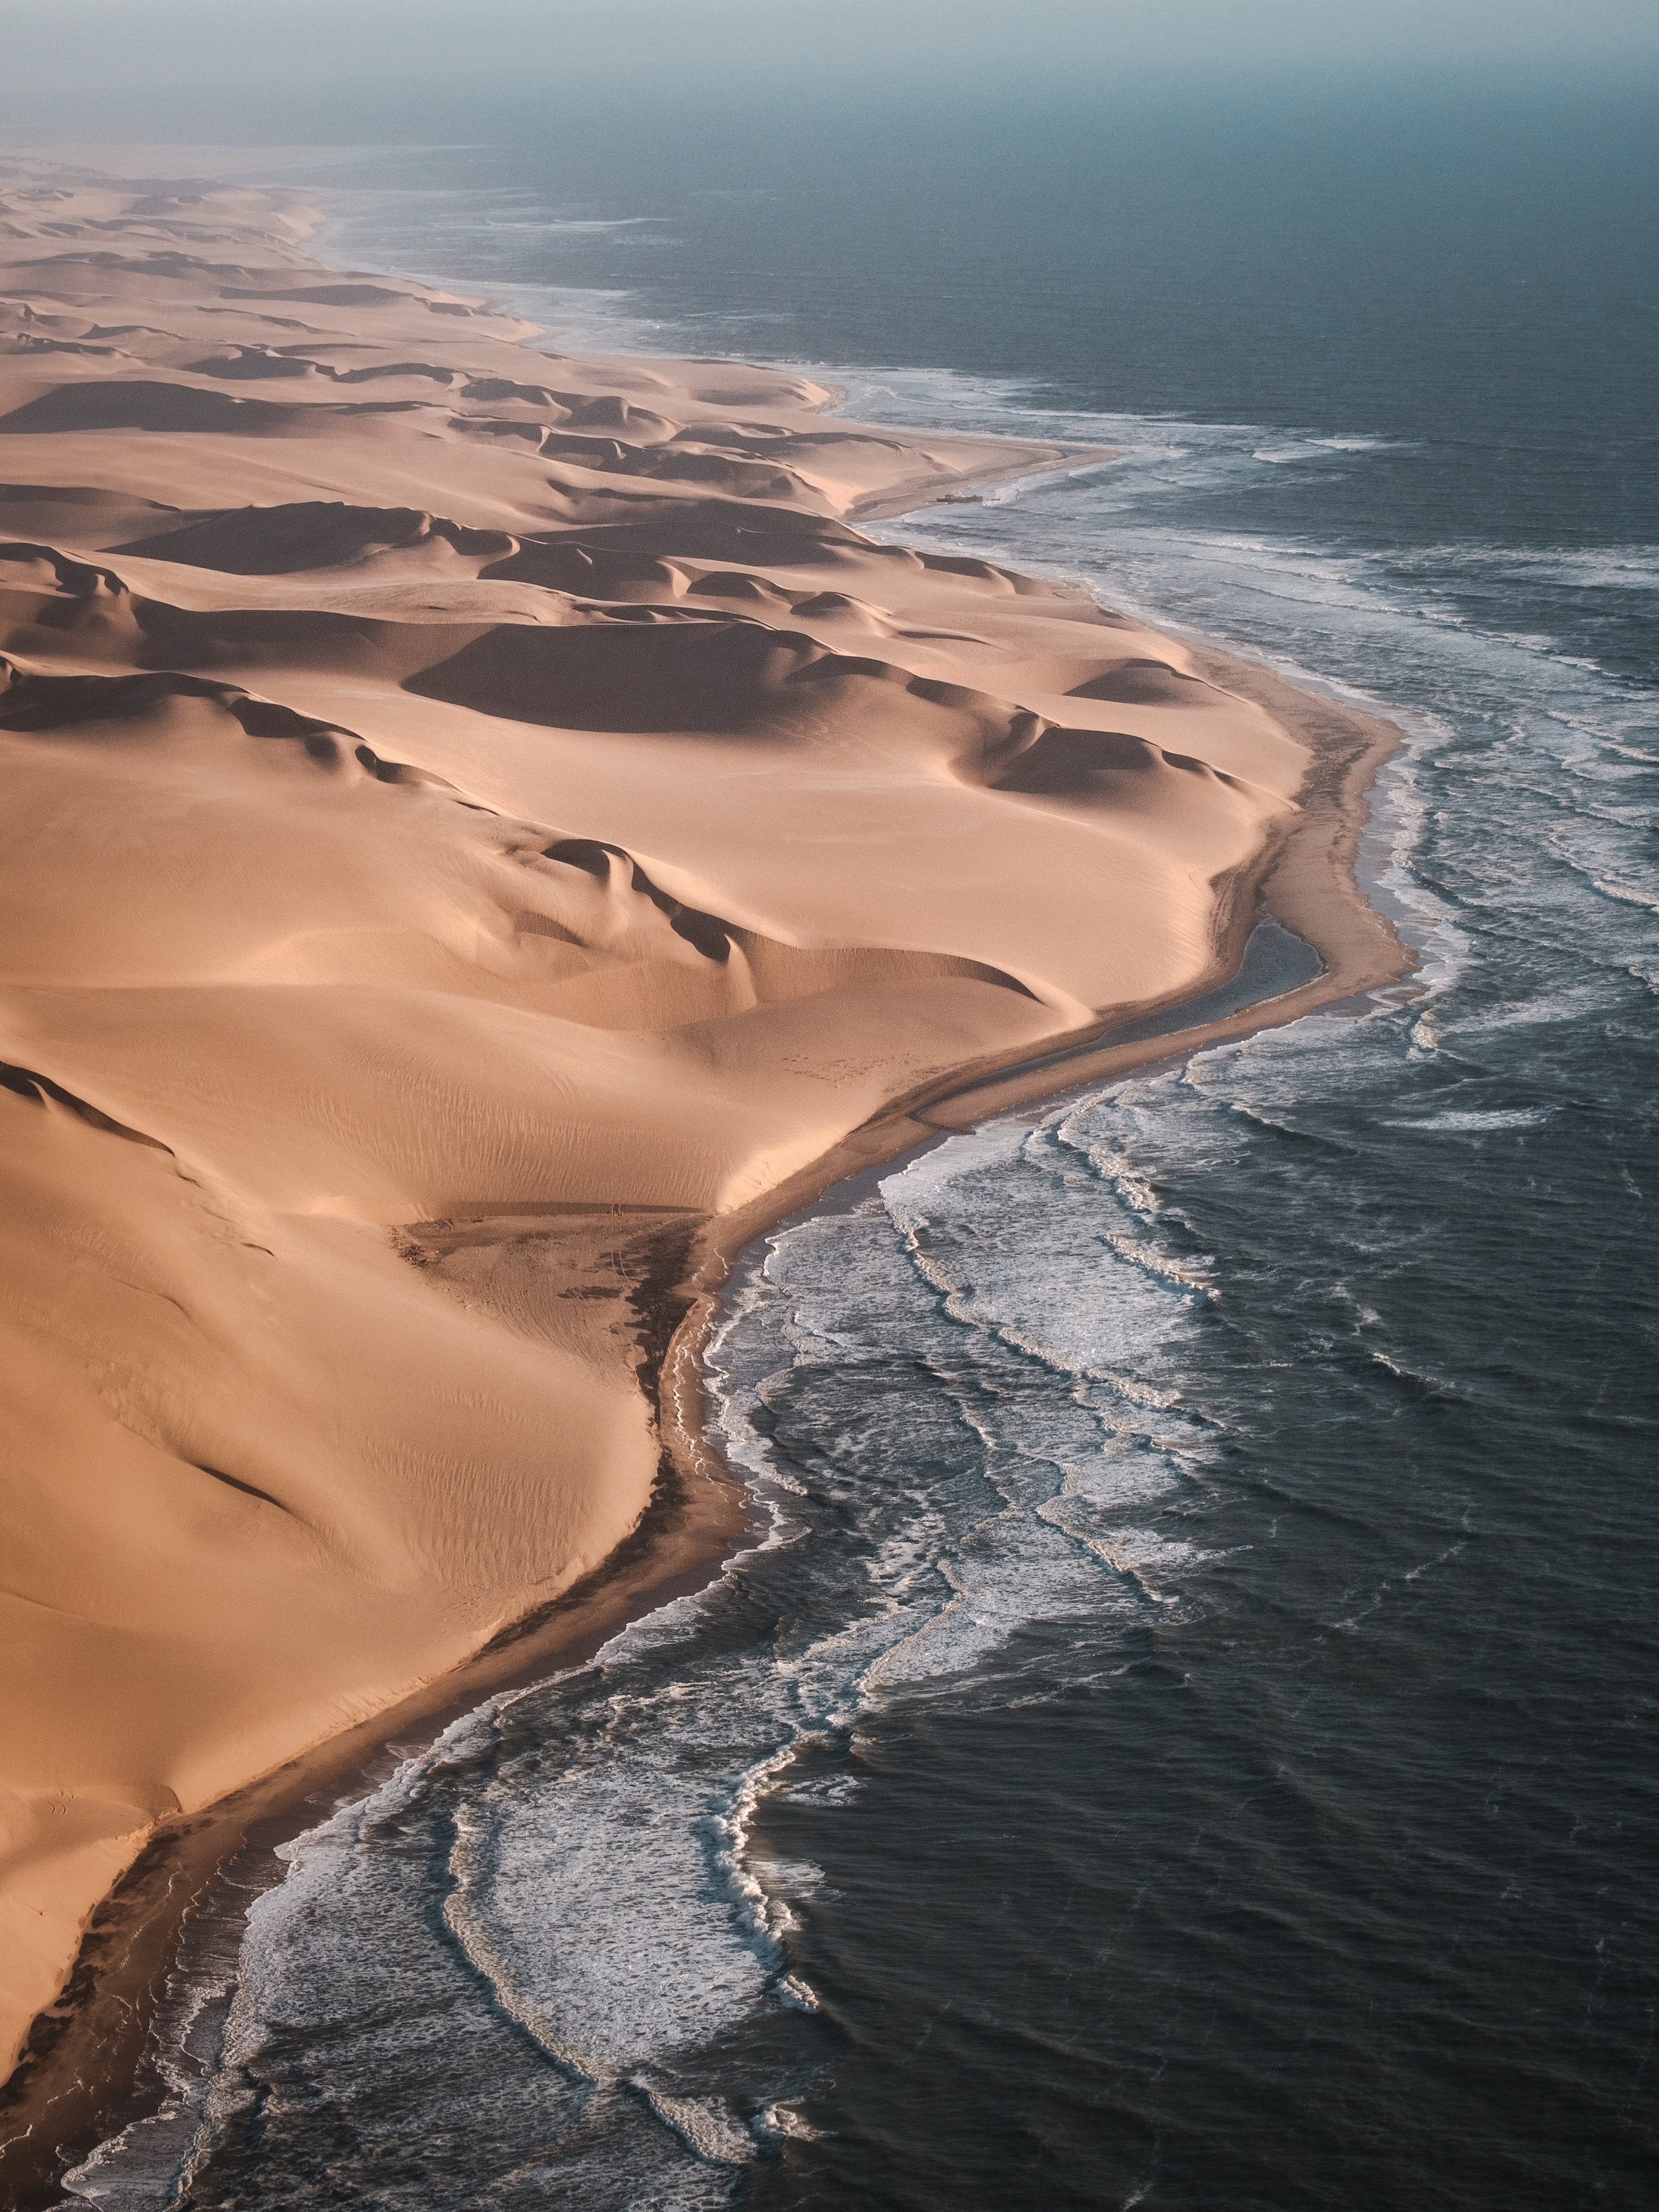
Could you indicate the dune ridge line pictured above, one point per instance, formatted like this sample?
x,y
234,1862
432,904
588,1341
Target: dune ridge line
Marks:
x,y
486,835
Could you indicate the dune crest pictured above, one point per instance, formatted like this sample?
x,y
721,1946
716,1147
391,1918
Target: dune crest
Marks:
x,y
452,784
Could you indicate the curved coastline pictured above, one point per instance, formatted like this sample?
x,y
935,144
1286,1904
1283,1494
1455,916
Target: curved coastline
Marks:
x,y
87,2044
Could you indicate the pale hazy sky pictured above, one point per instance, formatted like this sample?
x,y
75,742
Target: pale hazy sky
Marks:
x,y
133,42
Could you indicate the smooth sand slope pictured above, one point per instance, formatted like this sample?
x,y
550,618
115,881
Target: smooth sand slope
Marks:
x,y
446,783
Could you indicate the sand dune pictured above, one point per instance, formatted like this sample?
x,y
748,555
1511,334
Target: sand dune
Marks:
x,y
451,784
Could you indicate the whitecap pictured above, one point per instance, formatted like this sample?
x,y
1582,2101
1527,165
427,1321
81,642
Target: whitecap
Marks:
x,y
1524,1117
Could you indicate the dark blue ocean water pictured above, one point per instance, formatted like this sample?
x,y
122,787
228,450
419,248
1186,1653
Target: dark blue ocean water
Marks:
x,y
1186,1739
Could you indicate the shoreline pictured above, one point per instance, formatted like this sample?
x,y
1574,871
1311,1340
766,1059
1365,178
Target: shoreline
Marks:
x,y
90,2042
136,1937
88,2075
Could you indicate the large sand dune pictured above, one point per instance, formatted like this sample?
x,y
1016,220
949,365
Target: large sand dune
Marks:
x,y
448,783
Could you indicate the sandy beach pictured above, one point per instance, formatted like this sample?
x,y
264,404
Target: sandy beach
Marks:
x,y
487,834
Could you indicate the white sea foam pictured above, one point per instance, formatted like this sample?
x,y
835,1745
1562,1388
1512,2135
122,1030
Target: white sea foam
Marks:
x,y
1524,1117
664,1935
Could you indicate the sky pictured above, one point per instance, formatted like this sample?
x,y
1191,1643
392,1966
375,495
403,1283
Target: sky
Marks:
x,y
120,54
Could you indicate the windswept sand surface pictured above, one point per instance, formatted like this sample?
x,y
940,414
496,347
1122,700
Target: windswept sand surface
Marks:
x,y
450,784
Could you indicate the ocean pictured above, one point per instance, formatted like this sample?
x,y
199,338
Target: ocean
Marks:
x,y
1182,1734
